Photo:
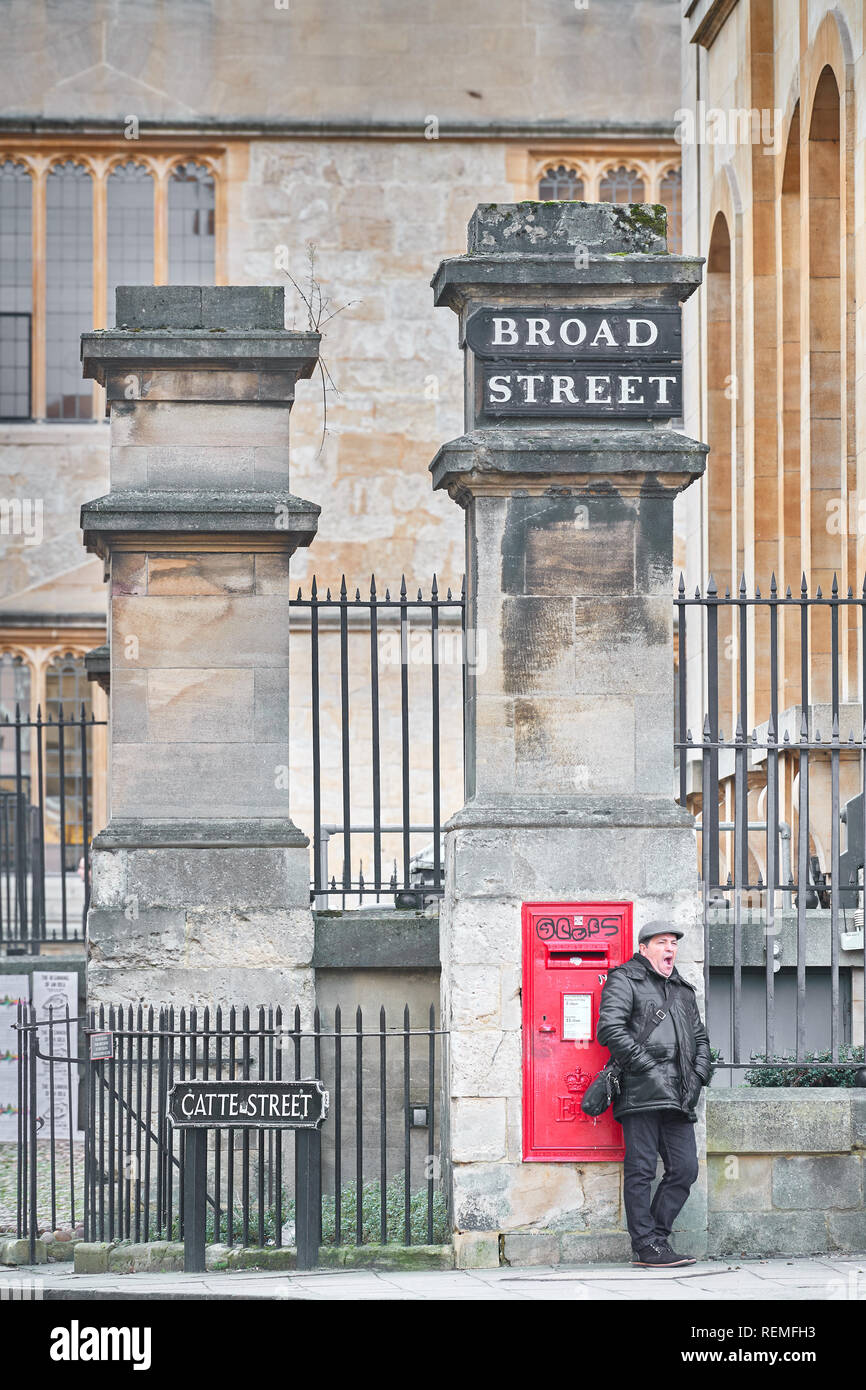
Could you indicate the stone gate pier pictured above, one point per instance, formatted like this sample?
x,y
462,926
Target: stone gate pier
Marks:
x,y
567,475
200,879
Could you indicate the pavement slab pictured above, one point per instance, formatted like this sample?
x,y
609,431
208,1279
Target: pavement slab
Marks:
x,y
818,1279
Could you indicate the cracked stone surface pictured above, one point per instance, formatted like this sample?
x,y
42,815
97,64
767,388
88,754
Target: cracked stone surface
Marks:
x,y
804,1280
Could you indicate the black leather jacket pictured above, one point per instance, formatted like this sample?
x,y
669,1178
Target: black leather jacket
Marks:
x,y
669,1069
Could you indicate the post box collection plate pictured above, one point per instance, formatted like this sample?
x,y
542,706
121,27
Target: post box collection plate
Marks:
x,y
568,949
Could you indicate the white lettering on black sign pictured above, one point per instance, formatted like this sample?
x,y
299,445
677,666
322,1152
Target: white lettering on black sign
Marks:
x,y
251,1104
578,362
606,391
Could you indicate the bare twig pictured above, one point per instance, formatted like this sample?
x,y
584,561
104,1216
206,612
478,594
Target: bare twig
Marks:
x,y
319,313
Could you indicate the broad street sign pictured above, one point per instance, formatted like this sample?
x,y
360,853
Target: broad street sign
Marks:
x,y
576,391
578,363
248,1104
586,335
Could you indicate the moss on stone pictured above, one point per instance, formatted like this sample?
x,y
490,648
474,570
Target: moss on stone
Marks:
x,y
387,1256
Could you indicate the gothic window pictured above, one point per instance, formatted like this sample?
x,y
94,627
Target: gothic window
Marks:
x,y
562,184
68,689
68,289
621,185
147,222
671,194
191,231
130,230
14,696
16,279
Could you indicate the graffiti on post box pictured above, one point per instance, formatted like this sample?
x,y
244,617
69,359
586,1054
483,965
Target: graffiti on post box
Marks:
x,y
575,928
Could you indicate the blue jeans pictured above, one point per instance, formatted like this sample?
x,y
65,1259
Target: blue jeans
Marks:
x,y
649,1133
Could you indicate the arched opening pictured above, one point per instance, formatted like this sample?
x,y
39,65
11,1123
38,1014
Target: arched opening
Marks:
x,y
720,490
791,494
827,482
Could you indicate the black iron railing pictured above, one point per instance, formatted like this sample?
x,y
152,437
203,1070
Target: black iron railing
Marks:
x,y
770,745
118,1169
46,820
385,674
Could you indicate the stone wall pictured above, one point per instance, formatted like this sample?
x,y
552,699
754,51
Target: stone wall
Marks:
x,y
349,59
784,1176
380,215
785,1170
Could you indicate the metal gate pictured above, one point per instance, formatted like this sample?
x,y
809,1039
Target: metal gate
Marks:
x,y
771,754
96,1151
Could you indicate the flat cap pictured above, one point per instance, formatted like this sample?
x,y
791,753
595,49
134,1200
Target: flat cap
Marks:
x,y
658,929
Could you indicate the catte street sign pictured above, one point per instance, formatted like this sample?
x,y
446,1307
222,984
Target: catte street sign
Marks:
x,y
575,363
248,1104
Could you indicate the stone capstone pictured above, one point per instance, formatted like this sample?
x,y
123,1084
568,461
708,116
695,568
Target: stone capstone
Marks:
x,y
241,307
635,228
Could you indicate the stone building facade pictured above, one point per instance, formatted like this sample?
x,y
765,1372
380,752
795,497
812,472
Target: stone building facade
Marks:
x,y
772,148
201,145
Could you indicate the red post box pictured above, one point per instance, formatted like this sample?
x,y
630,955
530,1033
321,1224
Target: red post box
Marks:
x,y
568,949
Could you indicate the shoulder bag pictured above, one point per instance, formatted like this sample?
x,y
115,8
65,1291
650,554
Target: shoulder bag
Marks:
x,y
604,1088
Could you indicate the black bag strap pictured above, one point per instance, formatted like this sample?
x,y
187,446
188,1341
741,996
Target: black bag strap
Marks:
x,y
658,1016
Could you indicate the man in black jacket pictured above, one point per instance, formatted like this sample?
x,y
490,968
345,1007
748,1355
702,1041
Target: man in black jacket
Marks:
x,y
661,1084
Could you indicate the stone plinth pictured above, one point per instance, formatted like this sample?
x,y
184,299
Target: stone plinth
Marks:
x,y
569,753
200,878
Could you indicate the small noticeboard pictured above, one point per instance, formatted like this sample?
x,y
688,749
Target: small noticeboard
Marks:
x,y
248,1104
576,1017
101,1047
